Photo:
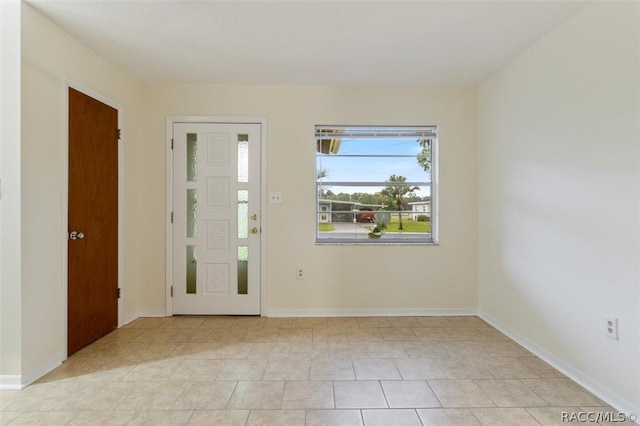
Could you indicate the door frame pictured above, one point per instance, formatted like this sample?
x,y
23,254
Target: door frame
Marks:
x,y
173,119
65,202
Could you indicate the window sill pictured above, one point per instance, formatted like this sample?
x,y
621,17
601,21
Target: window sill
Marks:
x,y
375,243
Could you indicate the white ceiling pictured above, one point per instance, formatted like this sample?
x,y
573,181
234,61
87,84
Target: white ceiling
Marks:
x,y
309,42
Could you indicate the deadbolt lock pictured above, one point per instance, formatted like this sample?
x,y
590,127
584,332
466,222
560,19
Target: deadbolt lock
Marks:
x,y
75,235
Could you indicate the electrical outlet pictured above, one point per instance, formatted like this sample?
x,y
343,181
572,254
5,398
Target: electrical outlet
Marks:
x,y
276,197
299,273
611,329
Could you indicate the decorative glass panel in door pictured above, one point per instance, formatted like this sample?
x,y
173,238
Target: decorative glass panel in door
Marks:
x,y
216,206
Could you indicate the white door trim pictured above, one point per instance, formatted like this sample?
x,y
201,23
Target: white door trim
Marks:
x,y
65,202
171,120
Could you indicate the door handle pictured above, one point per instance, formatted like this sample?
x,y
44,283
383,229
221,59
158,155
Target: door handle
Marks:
x,y
254,230
75,235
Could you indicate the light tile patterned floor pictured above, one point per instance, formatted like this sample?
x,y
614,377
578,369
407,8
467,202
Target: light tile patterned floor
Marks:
x,y
300,371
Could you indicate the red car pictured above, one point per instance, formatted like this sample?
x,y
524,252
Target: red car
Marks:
x,y
366,215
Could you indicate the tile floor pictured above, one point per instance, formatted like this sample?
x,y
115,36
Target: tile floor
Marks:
x,y
390,371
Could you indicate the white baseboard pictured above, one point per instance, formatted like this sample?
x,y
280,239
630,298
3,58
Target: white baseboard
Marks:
x,y
286,313
11,382
369,312
151,313
42,369
17,382
616,401
126,319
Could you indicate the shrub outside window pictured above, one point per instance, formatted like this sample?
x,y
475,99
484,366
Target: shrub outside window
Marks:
x,y
375,184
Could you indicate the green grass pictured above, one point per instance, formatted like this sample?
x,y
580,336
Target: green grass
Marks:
x,y
407,225
325,227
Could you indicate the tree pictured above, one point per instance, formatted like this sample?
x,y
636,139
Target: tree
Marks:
x,y
397,193
321,174
424,158
365,198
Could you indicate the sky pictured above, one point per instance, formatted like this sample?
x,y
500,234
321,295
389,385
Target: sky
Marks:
x,y
341,167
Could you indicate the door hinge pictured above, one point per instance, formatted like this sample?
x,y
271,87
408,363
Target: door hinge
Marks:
x,y
171,217
119,293
119,133
171,291
171,143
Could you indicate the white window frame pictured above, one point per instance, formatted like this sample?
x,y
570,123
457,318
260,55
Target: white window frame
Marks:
x,y
329,132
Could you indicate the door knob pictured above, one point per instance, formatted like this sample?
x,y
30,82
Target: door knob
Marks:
x,y
254,230
75,235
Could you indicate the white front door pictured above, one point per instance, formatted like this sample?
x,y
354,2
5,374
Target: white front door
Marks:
x,y
216,218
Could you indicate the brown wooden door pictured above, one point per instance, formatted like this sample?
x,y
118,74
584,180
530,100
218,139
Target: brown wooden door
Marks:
x,y
93,211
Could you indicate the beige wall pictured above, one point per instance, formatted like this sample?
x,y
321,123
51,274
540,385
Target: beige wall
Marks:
x,y
50,58
10,289
559,189
338,279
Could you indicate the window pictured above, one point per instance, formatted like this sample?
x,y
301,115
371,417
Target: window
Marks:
x,y
376,184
